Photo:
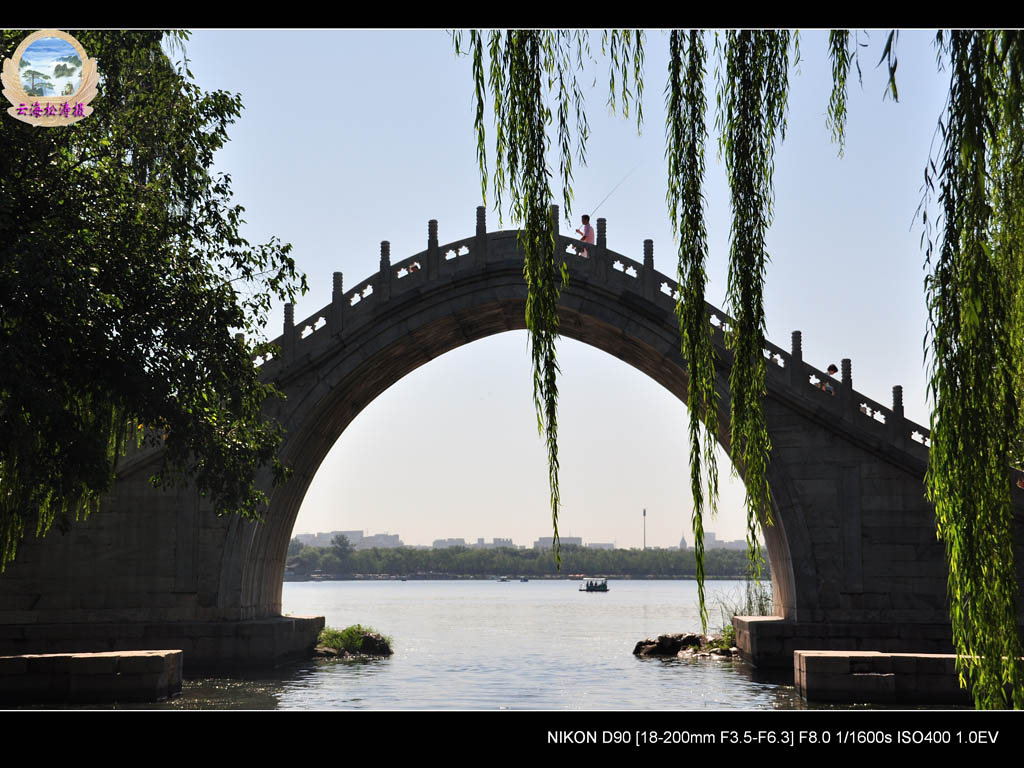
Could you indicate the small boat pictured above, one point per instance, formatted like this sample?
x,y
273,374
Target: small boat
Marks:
x,y
595,585
523,580
503,578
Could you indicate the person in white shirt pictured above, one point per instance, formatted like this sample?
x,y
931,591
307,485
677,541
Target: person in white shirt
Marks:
x,y
827,385
587,234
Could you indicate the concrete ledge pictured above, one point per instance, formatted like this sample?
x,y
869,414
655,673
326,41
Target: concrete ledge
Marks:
x,y
78,677
206,645
768,642
871,676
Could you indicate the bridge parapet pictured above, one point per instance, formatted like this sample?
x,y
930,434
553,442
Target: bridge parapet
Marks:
x,y
596,264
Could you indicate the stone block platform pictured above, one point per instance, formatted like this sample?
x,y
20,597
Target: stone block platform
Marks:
x,y
769,642
90,677
875,677
220,646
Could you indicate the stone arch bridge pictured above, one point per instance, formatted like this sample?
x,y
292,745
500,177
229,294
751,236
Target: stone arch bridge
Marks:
x,y
854,556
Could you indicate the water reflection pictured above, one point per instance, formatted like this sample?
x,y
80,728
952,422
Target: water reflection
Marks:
x,y
488,646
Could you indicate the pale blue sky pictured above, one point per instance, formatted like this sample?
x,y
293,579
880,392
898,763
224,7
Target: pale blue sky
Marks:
x,y
353,137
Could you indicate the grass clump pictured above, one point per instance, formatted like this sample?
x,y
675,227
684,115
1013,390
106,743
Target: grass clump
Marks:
x,y
756,600
348,639
727,640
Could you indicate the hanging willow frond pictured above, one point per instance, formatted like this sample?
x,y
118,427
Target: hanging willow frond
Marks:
x,y
519,63
685,137
891,62
976,302
839,50
751,113
39,482
622,47
974,328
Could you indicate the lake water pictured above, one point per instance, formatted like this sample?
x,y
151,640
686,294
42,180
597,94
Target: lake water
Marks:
x,y
488,645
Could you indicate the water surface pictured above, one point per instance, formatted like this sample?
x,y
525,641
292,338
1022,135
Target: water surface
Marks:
x,y
503,645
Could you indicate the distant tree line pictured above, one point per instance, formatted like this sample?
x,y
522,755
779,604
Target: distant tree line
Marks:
x,y
341,559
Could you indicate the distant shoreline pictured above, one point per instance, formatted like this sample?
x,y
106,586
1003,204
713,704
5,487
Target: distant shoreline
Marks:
x,y
341,562
510,578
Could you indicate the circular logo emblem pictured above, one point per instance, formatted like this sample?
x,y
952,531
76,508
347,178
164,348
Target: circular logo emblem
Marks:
x,y
49,80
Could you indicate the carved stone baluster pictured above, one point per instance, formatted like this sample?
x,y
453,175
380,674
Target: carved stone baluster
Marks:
x,y
846,389
479,255
647,278
385,277
797,376
288,337
897,423
601,252
433,256
336,318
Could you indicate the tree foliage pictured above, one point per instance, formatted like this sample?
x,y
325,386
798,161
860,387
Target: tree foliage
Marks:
x,y
685,139
470,561
976,307
751,114
755,80
342,547
123,280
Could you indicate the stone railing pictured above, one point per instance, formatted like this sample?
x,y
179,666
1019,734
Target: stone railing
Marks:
x,y
600,267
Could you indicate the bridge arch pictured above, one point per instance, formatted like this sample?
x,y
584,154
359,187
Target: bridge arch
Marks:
x,y
487,307
428,304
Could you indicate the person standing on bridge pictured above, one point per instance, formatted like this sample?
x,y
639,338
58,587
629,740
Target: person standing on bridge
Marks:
x,y
827,385
587,234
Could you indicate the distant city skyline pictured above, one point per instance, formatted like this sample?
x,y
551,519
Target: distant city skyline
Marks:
x,y
323,538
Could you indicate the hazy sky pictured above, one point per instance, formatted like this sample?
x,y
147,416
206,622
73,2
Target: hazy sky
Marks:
x,y
353,137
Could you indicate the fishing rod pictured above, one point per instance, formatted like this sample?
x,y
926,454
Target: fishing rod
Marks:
x,y
594,212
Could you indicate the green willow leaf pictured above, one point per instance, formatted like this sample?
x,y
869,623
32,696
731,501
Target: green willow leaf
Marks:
x,y
752,90
685,136
976,318
839,50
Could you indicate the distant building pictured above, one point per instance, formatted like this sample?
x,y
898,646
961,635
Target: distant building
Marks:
x,y
445,543
682,542
323,540
600,545
711,542
494,544
547,542
358,539
379,540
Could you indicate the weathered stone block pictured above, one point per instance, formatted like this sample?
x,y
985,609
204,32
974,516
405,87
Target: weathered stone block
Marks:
x,y
137,663
95,664
871,664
